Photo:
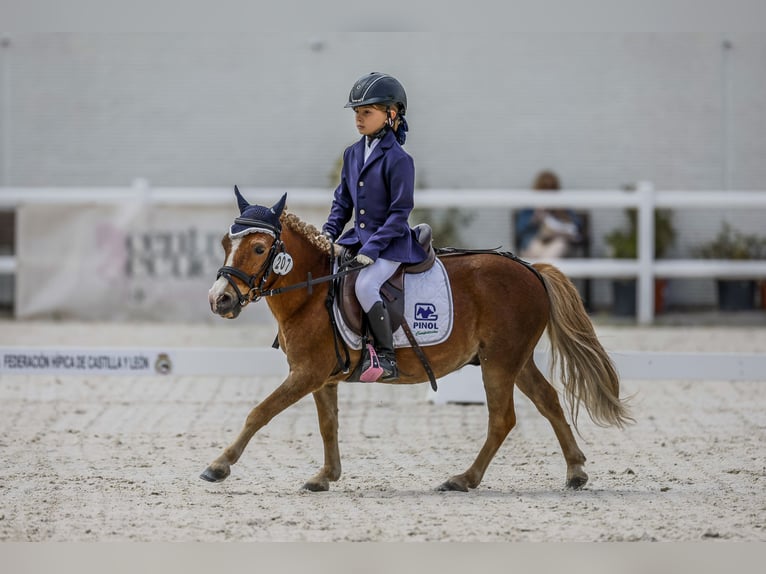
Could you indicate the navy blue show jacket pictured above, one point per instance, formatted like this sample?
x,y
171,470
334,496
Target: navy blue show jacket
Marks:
x,y
379,195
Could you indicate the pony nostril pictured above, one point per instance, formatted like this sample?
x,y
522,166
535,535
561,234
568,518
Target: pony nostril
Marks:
x,y
218,302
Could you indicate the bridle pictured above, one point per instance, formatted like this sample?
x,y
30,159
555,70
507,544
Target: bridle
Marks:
x,y
257,292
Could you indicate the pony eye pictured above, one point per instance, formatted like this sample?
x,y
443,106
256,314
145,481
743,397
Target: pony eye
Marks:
x,y
260,249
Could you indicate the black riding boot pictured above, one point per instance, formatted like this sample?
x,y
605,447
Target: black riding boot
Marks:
x,y
380,325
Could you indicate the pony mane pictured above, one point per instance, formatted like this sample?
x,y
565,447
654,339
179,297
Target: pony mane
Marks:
x,y
308,231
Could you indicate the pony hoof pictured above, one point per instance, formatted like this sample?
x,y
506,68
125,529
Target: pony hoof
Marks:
x,y
214,474
577,482
451,486
317,486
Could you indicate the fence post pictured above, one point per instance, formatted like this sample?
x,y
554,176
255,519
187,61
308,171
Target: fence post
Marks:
x,y
143,191
645,243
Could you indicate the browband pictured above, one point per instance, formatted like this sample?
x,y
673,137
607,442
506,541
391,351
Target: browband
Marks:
x,y
257,223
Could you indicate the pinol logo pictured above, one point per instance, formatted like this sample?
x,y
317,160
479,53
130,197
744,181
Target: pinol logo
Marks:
x,y
425,316
425,312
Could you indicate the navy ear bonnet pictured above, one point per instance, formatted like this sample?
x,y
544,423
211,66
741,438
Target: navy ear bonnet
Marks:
x,y
257,218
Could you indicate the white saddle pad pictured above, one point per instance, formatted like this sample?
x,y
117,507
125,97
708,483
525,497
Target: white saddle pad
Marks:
x,y
427,310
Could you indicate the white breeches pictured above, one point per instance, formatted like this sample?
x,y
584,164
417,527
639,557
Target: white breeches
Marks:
x,y
371,279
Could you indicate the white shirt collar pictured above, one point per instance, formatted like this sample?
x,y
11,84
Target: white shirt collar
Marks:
x,y
369,146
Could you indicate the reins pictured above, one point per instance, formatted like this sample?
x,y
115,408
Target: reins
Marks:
x,y
310,281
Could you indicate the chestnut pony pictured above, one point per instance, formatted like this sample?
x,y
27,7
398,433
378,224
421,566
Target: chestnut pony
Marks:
x,y
501,307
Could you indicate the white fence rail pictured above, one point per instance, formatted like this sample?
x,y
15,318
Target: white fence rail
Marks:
x,y
645,199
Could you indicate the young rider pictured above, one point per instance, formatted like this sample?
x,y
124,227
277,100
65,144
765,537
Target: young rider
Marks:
x,y
377,189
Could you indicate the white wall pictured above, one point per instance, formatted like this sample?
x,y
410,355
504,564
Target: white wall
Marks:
x,y
485,110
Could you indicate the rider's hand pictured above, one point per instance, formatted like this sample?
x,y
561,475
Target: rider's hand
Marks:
x,y
362,259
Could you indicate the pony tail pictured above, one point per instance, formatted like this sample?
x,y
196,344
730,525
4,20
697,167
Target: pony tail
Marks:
x,y
585,368
401,130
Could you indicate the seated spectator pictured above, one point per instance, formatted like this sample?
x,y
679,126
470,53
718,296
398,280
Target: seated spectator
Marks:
x,y
547,233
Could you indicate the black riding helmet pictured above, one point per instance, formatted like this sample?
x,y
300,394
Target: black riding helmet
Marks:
x,y
377,88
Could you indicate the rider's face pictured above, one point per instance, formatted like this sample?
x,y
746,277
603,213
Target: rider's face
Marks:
x,y
369,119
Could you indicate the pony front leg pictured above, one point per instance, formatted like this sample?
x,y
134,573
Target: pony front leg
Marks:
x,y
326,400
289,392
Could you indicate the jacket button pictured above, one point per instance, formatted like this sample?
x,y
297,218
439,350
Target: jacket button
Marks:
x,y
361,184
362,212
362,225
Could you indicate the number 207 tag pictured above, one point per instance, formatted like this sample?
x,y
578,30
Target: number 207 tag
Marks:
x,y
283,263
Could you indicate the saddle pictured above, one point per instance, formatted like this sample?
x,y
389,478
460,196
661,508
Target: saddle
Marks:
x,y
392,291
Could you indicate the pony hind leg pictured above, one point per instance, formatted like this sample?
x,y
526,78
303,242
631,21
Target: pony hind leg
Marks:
x,y
536,387
326,400
498,386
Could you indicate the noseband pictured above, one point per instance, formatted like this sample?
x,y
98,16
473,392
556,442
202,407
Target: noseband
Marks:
x,y
264,271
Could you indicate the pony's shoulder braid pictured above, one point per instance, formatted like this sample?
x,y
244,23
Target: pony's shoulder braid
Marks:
x,y
307,230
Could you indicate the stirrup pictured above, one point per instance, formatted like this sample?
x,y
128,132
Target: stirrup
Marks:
x,y
374,371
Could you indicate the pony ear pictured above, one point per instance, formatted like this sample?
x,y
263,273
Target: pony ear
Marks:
x,y
241,201
279,206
